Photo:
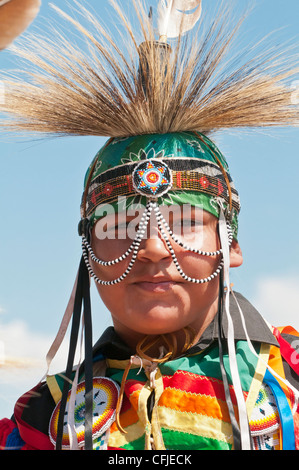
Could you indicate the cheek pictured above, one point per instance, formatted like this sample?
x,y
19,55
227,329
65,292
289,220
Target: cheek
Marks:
x,y
112,272
198,266
112,296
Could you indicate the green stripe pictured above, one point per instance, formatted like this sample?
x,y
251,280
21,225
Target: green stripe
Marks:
x,y
176,440
117,375
138,444
207,364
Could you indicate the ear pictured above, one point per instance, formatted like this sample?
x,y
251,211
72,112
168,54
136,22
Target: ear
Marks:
x,y
236,257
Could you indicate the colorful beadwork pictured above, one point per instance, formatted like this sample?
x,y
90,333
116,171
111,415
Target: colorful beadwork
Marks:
x,y
105,395
152,178
101,443
269,441
201,177
265,415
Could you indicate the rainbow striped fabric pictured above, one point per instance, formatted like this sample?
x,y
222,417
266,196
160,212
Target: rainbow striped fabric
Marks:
x,y
189,409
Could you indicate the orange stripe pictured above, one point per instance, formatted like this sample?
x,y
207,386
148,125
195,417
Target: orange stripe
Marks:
x,y
134,399
126,419
129,416
275,362
194,403
288,330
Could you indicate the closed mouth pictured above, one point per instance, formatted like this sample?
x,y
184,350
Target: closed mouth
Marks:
x,y
158,285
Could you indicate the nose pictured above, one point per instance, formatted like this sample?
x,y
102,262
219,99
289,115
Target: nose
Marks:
x,y
153,249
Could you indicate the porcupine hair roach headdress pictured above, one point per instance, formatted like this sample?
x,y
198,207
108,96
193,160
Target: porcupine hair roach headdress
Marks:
x,y
159,97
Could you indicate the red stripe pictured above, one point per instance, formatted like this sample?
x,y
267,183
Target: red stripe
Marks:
x,y
287,351
194,383
6,428
129,182
178,180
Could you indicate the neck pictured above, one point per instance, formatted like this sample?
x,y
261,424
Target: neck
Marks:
x,y
167,344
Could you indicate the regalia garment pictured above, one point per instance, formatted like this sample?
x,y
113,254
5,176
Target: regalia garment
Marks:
x,y
158,99
184,409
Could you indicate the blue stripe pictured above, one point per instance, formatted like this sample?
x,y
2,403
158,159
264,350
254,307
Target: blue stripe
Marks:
x,y
285,412
14,441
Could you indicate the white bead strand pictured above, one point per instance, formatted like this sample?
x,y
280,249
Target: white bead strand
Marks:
x,y
106,263
177,265
139,236
151,205
140,233
160,218
114,281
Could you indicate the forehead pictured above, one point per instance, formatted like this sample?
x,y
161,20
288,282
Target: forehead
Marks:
x,y
173,205
176,216
191,224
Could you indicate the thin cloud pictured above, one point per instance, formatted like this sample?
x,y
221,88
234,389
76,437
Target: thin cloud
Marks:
x,y
24,351
277,299
22,361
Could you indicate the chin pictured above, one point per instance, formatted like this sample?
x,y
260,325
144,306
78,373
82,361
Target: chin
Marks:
x,y
155,324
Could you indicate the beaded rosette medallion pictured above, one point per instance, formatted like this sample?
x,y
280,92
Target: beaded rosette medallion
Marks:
x,y
105,396
152,178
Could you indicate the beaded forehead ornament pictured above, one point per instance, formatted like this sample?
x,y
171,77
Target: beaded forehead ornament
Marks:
x,y
152,178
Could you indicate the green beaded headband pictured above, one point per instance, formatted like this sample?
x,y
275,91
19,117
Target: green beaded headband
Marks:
x,y
175,168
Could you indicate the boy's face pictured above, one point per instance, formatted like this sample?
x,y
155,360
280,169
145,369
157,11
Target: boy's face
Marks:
x,y
154,298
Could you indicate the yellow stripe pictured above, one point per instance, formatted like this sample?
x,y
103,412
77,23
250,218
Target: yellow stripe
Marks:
x,y
142,413
54,388
156,425
257,378
133,432
194,423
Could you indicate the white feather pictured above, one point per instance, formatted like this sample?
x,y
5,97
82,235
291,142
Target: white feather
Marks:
x,y
174,17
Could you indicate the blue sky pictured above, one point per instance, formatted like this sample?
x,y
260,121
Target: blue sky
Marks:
x,y
40,190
